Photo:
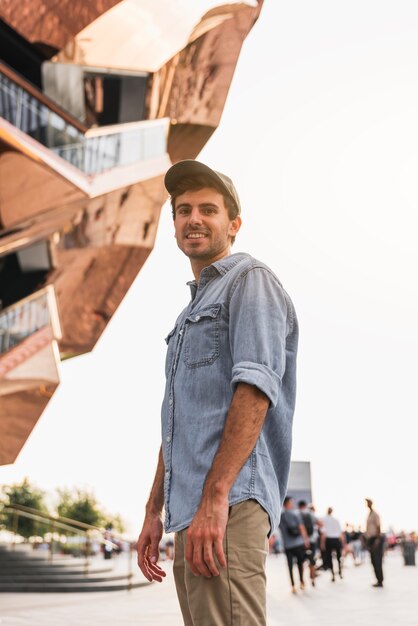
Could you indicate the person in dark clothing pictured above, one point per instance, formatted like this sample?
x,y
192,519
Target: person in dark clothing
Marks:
x,y
295,540
375,543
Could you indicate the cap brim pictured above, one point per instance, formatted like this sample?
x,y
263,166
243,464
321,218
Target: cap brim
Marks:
x,y
189,168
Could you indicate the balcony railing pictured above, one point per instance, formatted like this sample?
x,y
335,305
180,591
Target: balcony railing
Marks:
x,y
28,316
94,152
109,148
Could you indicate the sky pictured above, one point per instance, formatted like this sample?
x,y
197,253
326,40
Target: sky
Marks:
x,y
320,135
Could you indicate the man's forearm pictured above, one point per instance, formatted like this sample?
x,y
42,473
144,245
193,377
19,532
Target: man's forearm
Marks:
x,y
156,499
242,428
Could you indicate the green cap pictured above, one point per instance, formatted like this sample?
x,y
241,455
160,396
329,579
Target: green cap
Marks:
x,y
192,168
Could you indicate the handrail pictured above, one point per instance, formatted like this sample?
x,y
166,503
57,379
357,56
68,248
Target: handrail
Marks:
x,y
39,95
57,518
41,518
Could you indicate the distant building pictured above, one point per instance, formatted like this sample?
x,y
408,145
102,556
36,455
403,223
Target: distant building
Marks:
x,y
97,99
300,486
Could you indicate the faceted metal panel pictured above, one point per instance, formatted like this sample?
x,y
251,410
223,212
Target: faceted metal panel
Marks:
x,y
50,22
90,291
20,411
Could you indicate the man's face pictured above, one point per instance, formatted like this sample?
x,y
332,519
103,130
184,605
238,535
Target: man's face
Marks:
x,y
203,229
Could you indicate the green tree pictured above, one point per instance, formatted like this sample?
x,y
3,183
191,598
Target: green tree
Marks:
x,y
27,495
80,505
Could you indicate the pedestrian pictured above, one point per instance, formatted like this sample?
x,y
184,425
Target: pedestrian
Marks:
x,y
311,523
375,542
226,415
295,540
333,542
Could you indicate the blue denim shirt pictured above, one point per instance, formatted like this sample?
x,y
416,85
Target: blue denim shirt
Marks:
x,y
240,326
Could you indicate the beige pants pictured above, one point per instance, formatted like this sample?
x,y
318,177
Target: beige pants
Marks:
x,y
237,597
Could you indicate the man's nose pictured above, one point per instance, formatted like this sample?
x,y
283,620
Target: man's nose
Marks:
x,y
195,216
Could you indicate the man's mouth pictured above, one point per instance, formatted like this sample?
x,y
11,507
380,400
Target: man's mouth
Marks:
x,y
196,235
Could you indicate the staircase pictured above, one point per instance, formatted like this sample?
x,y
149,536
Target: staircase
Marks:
x,y
22,570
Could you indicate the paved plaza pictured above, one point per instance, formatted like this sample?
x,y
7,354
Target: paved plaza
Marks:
x,y
348,602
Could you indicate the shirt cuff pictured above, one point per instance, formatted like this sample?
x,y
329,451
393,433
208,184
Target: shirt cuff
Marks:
x,y
261,376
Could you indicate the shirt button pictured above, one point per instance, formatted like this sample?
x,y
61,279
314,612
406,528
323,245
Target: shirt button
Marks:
x,y
168,439
197,318
167,473
170,402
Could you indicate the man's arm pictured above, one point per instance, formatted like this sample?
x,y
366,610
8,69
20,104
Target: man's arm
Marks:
x,y
304,534
242,428
152,529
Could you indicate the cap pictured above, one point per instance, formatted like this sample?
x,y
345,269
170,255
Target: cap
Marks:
x,y
192,168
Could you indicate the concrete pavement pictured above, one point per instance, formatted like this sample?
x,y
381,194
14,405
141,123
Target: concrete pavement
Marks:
x,y
348,602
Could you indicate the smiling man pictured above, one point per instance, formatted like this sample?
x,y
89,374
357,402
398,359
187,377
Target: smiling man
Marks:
x,y
226,415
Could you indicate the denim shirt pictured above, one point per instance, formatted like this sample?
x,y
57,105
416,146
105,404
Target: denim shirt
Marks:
x,y
240,326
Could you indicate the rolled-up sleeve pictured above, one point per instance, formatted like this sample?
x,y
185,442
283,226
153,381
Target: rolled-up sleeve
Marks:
x,y
258,329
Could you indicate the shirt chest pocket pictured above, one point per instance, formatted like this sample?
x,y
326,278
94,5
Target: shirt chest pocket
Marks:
x,y
201,336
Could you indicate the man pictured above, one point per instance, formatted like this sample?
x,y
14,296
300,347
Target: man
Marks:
x,y
226,415
333,541
295,540
311,523
375,543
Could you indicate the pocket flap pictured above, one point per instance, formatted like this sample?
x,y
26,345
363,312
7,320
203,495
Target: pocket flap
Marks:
x,y
210,311
170,334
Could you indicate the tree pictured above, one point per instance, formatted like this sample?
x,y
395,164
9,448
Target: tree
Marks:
x,y
27,495
79,505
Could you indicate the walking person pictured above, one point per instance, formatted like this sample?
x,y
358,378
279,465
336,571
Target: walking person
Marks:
x,y
311,522
226,415
295,540
375,542
333,542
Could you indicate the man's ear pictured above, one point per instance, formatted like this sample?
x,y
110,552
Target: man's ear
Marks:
x,y
235,225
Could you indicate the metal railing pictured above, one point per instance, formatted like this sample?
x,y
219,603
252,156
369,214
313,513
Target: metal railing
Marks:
x,y
91,152
33,117
24,318
63,526
115,148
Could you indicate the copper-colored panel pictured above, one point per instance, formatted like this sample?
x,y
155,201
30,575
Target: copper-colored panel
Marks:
x,y
185,141
90,290
29,188
194,85
128,217
50,22
19,413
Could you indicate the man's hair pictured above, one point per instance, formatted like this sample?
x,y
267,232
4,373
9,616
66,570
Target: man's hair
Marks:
x,y
287,499
301,504
195,183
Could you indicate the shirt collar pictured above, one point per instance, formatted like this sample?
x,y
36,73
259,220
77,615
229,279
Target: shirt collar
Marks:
x,y
221,267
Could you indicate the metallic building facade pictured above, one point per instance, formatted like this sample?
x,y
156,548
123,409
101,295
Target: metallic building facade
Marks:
x,y
97,100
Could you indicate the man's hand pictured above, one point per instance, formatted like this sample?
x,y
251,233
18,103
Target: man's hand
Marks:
x,y
205,535
147,548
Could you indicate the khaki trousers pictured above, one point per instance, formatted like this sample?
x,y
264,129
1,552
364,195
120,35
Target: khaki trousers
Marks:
x,y
237,597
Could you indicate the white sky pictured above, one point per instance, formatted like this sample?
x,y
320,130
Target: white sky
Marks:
x,y
320,135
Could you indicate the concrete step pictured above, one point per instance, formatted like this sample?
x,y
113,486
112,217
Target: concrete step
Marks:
x,y
54,571
69,587
39,578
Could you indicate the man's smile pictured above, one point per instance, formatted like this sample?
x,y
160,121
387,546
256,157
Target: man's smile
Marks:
x,y
195,235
